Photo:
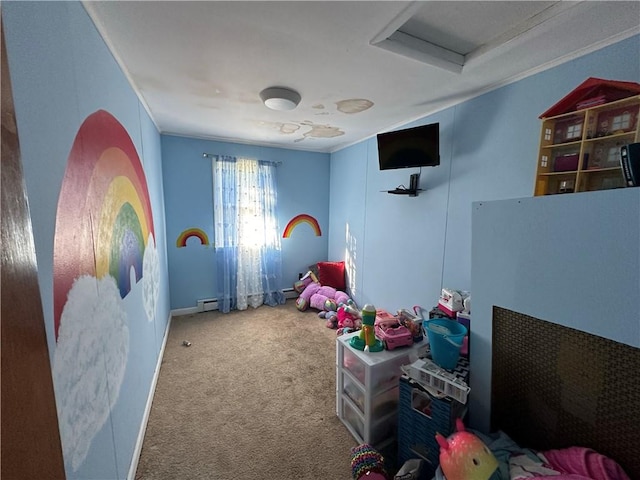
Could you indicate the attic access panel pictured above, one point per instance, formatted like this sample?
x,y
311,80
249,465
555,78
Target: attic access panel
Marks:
x,y
450,34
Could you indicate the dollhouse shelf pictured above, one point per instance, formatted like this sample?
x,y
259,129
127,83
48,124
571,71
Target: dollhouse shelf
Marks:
x,y
581,137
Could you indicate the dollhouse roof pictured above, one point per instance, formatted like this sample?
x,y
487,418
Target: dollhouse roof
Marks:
x,y
595,89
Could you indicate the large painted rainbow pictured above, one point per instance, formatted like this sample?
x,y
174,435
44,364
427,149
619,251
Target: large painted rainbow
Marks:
x,y
104,215
192,232
297,220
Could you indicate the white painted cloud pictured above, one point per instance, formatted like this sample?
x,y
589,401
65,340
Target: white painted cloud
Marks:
x,y
150,278
89,362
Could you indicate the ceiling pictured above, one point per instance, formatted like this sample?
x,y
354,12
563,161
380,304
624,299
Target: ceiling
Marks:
x,y
361,67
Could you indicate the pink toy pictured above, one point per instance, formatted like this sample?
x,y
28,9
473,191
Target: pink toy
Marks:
x,y
323,298
392,333
319,298
301,284
463,456
341,298
302,302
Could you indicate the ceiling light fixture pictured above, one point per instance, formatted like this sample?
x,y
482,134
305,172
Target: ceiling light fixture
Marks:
x,y
280,98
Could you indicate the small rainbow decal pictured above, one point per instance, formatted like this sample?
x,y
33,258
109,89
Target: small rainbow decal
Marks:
x,y
297,220
192,232
104,217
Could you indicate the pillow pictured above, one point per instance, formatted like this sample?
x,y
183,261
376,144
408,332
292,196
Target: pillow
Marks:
x,y
332,274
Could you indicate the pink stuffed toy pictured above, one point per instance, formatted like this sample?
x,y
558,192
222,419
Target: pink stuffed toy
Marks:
x,y
302,302
463,456
345,319
323,298
341,298
319,299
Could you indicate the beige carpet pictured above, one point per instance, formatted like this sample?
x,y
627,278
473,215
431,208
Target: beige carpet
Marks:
x,y
253,397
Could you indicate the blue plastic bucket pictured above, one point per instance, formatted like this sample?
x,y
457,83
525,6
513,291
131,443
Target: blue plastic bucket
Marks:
x,y
445,339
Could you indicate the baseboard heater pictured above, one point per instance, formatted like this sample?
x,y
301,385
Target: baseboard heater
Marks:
x,y
209,304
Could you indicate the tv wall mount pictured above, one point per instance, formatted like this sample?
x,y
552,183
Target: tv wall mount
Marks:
x,y
413,189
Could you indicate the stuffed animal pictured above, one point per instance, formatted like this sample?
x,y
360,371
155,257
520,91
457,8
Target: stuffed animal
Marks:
x,y
319,299
345,318
303,300
323,298
304,281
331,318
463,456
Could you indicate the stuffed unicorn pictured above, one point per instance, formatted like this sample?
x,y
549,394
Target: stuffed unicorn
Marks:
x,y
463,456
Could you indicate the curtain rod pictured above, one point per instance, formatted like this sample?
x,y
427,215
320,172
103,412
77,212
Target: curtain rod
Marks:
x,y
211,155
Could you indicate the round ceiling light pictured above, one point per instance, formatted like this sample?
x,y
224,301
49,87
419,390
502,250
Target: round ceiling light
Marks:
x,y
280,98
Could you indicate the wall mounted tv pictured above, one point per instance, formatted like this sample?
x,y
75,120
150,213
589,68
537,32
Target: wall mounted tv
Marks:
x,y
411,147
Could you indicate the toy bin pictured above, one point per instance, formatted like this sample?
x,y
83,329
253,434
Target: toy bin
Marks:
x,y
420,416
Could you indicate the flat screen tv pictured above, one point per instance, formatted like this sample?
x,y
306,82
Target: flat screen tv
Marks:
x,y
411,147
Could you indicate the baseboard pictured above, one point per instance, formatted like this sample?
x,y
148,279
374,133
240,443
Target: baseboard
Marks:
x,y
147,409
290,293
183,311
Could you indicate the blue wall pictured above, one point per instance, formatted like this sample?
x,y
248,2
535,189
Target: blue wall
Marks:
x,y
303,188
404,250
573,260
407,248
61,73
400,251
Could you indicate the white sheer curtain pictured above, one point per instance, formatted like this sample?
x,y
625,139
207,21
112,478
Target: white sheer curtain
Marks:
x,y
247,241
250,235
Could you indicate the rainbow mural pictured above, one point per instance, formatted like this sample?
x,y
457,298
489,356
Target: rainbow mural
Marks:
x,y
104,218
192,232
297,220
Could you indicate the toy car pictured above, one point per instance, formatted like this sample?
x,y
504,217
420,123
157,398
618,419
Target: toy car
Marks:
x,y
392,333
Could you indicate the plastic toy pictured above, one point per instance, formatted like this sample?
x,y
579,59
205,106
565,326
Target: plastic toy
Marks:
x,y
392,333
367,463
367,339
463,456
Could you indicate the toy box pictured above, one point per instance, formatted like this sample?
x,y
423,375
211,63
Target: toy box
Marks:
x,y
420,416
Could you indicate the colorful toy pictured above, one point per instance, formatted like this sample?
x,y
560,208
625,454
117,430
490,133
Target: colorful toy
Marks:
x,y
463,456
323,298
330,304
303,300
304,281
331,318
367,339
367,463
392,333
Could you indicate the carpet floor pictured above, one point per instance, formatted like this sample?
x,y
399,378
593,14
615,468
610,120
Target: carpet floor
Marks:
x,y
253,397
